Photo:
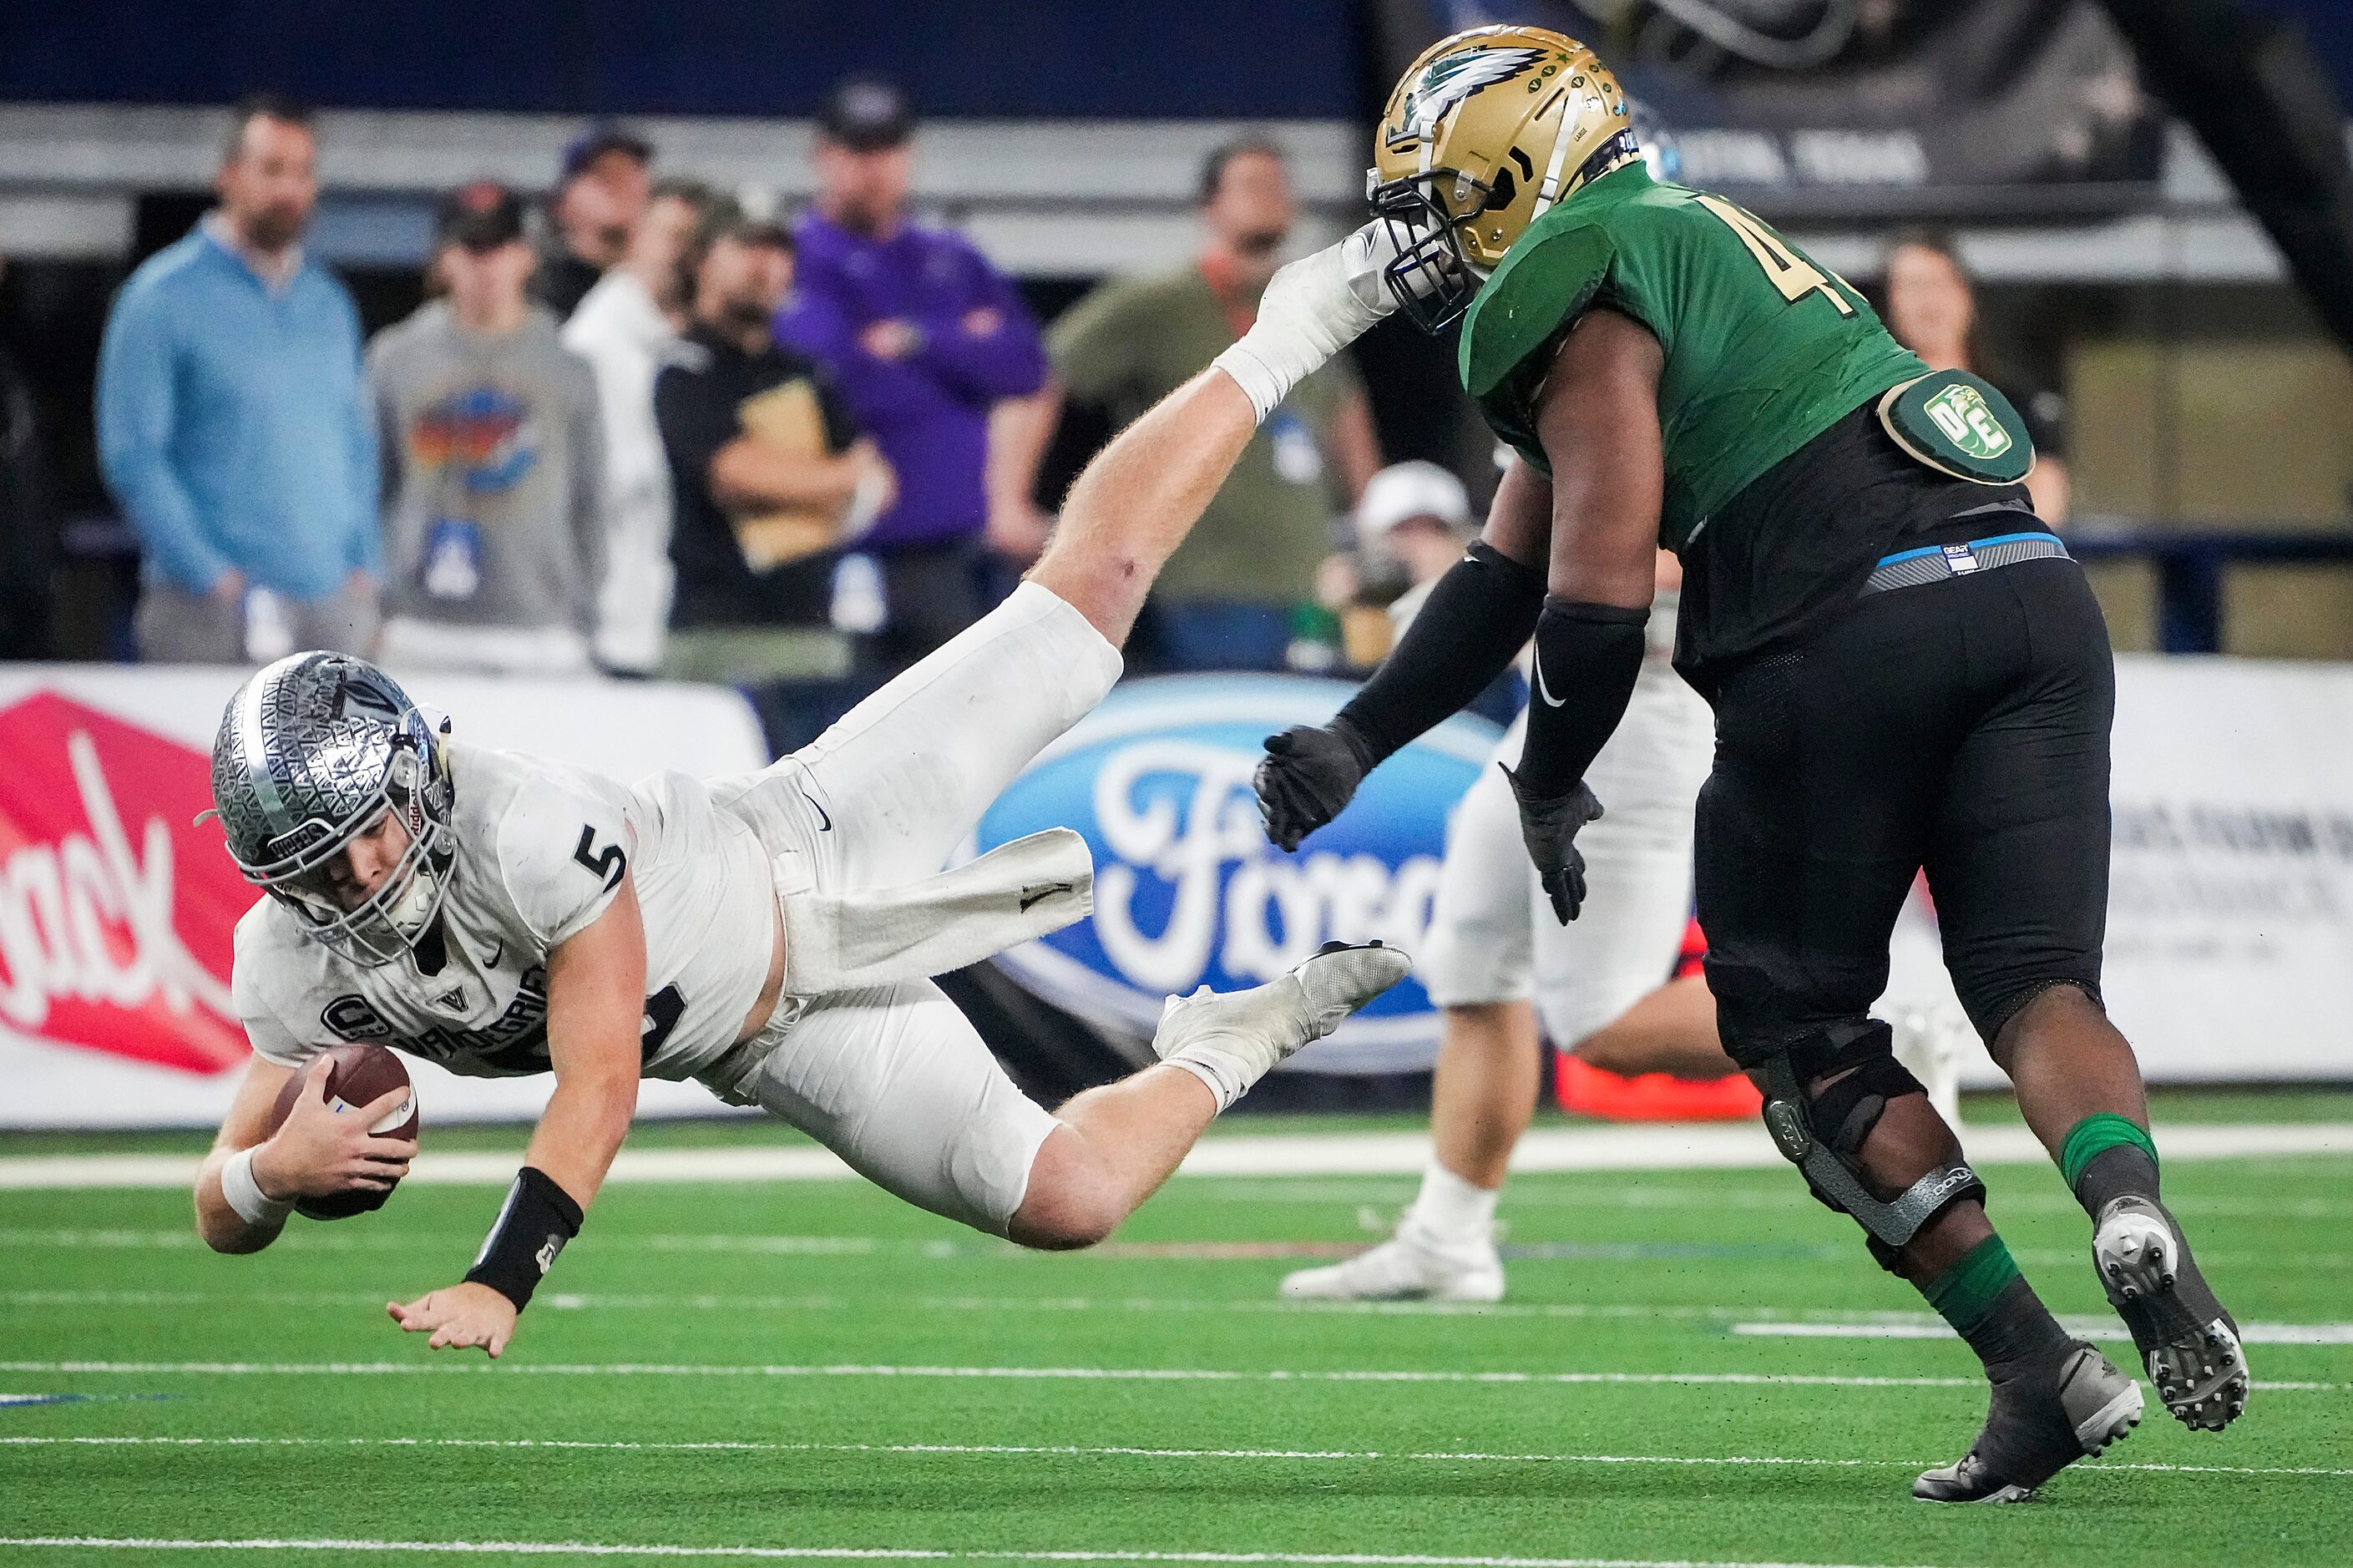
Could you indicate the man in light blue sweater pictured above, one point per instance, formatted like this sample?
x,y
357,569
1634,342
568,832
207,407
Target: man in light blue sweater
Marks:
x,y
232,427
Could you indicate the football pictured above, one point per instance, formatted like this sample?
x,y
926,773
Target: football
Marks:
x,y
360,1075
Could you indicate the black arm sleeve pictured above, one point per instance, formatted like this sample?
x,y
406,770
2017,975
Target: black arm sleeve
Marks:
x,y
1588,656
1478,617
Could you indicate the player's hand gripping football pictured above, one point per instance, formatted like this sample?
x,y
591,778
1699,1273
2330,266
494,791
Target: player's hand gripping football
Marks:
x,y
319,1151
1548,826
459,1315
1307,777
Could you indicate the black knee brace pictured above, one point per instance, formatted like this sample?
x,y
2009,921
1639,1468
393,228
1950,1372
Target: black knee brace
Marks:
x,y
1822,1134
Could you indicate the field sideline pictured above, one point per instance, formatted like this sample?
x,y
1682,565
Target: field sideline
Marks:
x,y
1695,1366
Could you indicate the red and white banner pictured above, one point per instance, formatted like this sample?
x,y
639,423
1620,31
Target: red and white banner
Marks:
x,y
117,909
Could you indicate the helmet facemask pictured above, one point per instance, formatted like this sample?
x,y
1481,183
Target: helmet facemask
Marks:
x,y
1431,279
392,919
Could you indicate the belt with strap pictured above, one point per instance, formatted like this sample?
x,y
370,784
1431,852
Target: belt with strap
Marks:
x,y
1936,562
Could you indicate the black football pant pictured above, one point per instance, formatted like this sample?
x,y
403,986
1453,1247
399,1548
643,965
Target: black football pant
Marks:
x,y
1959,726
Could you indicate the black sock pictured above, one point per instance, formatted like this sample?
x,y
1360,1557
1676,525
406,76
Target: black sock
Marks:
x,y
2019,1335
2123,1170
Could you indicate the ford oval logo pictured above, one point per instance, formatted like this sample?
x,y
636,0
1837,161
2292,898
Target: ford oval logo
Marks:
x,y
1188,890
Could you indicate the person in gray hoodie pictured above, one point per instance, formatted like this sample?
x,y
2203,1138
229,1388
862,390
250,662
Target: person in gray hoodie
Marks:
x,y
493,462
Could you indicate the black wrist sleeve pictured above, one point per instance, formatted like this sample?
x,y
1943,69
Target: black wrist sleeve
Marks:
x,y
1587,658
534,1222
1476,619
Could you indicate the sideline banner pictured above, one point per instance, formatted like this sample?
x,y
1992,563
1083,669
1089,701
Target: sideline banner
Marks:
x,y
116,911
1189,891
2231,914
2230,931
2230,937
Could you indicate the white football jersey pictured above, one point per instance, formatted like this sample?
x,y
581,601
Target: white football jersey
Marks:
x,y
540,851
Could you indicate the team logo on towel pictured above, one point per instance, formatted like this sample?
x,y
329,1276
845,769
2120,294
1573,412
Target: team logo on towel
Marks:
x,y
1188,890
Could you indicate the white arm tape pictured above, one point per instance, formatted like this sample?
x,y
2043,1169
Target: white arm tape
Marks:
x,y
1315,308
244,1194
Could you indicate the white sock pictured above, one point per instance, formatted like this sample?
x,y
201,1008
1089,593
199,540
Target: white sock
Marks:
x,y
1452,1207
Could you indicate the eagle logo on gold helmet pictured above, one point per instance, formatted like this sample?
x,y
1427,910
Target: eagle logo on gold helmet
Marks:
x,y
1448,80
1459,172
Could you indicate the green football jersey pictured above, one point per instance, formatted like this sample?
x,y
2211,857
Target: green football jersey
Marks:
x,y
1765,350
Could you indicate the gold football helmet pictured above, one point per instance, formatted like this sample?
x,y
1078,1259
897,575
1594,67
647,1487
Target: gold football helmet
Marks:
x,y
1484,132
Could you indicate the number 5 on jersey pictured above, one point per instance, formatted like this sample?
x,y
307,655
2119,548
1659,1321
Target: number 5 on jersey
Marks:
x,y
1789,272
607,863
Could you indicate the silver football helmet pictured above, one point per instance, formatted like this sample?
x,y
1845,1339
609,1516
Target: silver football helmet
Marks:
x,y
312,752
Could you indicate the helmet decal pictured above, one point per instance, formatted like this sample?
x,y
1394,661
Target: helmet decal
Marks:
x,y
1447,81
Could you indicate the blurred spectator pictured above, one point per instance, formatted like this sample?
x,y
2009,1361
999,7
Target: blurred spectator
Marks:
x,y
924,336
1416,518
1409,527
601,192
231,423
25,537
1226,598
1932,309
621,328
767,471
493,461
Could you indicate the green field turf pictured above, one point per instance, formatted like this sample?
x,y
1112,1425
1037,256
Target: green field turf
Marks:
x,y
763,1322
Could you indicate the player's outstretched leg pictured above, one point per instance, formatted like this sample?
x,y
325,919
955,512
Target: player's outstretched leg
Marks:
x,y
2081,1090
1862,1130
1117,1143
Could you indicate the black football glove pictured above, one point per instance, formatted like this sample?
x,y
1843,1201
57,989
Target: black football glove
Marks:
x,y
1548,826
1307,778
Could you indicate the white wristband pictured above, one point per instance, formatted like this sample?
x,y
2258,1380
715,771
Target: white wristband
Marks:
x,y
245,1196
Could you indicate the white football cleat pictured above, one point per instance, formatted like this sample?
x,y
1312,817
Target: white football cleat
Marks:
x,y
1412,1266
1930,1043
1231,1040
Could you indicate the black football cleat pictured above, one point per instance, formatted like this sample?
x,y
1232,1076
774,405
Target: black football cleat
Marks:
x,y
2031,1436
2186,1340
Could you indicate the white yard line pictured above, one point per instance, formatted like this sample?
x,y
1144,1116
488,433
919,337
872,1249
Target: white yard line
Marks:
x,y
890,1553
2082,1328
1659,1147
1024,1374
1065,1451
1779,1323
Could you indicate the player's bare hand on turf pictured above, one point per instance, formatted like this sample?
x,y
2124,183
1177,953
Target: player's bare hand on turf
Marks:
x,y
1549,826
321,1150
1307,777
459,1315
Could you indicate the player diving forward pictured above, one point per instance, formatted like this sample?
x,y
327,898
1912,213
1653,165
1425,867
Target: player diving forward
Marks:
x,y
1906,671
770,934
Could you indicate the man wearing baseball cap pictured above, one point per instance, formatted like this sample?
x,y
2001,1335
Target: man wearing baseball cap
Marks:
x,y
924,338
601,190
494,459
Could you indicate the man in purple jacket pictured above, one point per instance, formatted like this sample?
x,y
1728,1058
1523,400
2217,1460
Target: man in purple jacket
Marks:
x,y
922,336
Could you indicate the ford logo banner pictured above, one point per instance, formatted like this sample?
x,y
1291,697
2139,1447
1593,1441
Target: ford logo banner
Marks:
x,y
1188,890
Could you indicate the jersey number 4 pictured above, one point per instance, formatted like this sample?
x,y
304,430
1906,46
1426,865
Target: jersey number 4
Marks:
x,y
607,863
1789,272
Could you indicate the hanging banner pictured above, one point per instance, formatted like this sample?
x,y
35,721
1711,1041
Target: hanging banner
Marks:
x,y
1828,109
